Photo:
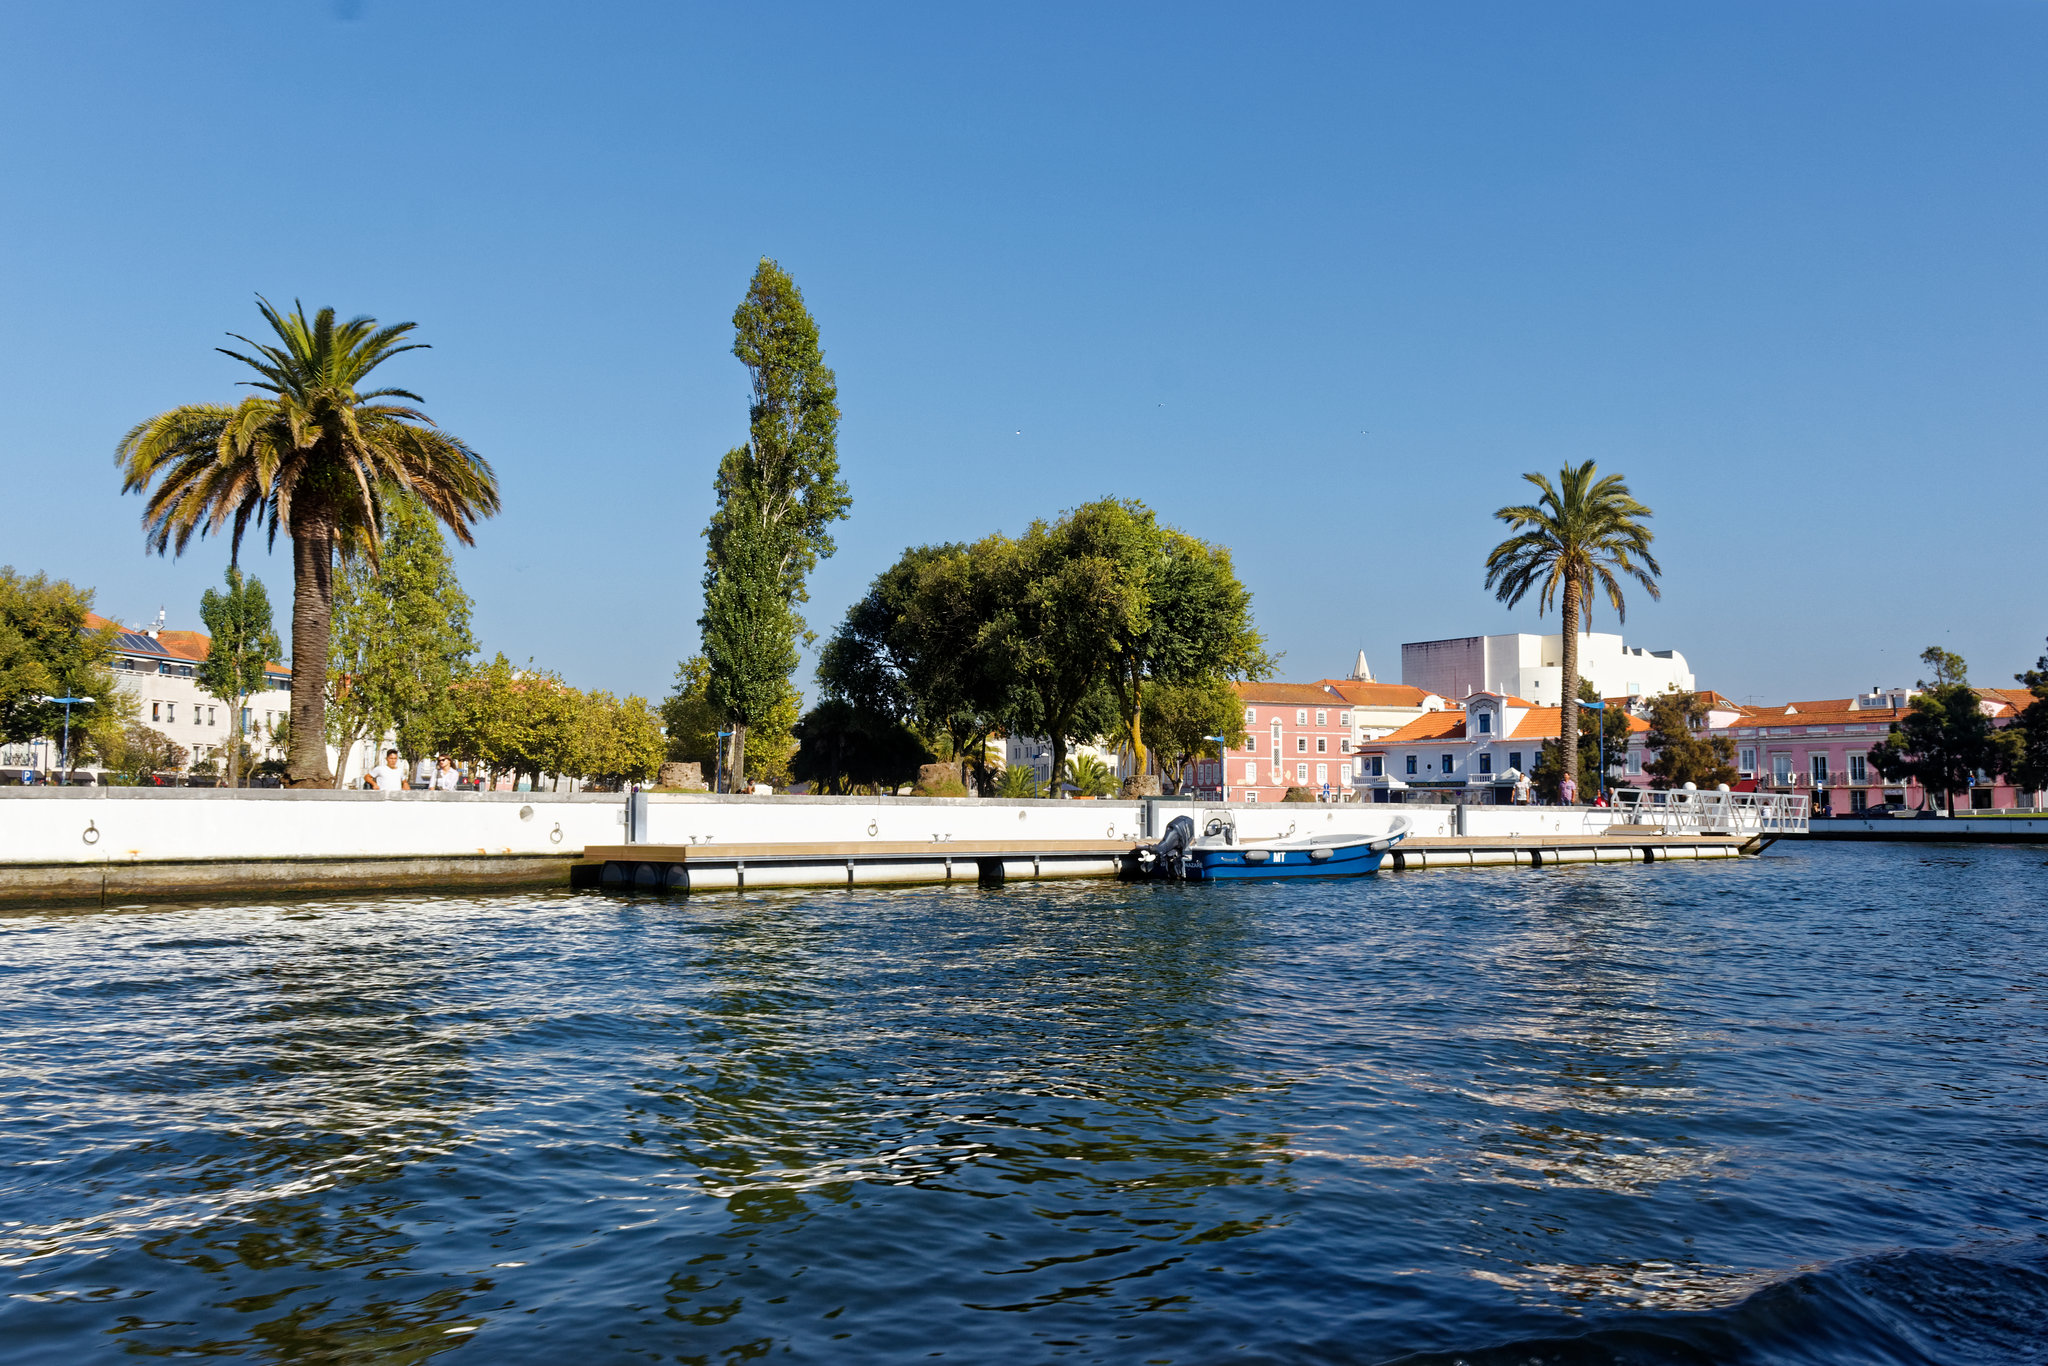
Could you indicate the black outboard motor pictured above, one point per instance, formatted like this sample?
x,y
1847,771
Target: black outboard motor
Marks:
x,y
1171,853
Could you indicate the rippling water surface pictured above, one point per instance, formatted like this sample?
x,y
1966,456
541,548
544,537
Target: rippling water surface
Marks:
x,y
1787,1110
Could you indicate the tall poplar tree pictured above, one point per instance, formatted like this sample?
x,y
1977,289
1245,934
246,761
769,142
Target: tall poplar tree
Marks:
x,y
777,496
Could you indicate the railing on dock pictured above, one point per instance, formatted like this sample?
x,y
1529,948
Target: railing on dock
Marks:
x,y
1714,813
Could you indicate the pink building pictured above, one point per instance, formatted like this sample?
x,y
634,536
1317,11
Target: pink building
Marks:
x,y
1822,749
1296,735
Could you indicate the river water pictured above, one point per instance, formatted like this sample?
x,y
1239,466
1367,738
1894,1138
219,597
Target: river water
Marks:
x,y
1787,1109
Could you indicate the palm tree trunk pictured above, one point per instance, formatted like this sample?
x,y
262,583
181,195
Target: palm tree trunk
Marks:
x,y
312,620
1568,723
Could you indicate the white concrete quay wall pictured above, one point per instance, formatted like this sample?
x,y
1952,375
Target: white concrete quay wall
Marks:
x,y
699,818
92,825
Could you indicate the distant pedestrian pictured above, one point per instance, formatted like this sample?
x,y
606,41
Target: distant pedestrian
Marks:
x,y
387,776
1568,791
446,779
1525,791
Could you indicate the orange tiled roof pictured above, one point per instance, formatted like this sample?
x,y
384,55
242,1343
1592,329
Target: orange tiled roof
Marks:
x,y
1882,716
1541,723
1435,725
1363,694
1287,695
2019,699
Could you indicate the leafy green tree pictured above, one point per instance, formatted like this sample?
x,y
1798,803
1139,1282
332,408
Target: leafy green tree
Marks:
x,y
911,650
401,637
313,455
1089,776
47,649
1942,742
1611,729
1947,668
2028,759
143,751
486,724
842,748
1681,750
1577,537
688,719
242,641
1055,609
777,497
1180,718
749,635
1190,619
621,741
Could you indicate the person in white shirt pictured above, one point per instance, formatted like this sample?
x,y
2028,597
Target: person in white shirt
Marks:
x,y
445,776
387,776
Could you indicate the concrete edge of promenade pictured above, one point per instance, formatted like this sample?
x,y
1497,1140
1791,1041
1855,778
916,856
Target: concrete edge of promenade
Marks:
x,y
119,846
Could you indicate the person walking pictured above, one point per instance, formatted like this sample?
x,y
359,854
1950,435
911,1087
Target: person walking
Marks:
x,y
387,776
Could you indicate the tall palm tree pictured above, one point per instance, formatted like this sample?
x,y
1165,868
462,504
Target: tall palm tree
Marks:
x,y
1576,538
315,456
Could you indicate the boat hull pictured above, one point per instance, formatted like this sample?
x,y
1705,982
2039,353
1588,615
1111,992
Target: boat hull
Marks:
x,y
1235,863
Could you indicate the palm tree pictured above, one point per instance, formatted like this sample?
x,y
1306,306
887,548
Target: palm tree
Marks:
x,y
1579,535
311,454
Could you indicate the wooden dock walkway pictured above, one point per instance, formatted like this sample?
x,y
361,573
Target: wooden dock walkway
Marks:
x,y
724,866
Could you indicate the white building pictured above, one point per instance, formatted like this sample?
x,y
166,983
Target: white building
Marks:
x,y
158,669
1532,666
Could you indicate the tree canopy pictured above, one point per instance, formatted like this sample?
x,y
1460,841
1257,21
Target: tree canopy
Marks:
x,y
316,455
1944,739
241,642
1582,534
1680,749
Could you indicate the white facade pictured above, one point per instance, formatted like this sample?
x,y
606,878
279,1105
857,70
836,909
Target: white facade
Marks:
x,y
1532,667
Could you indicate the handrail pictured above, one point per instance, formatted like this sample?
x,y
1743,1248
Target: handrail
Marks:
x,y
1725,813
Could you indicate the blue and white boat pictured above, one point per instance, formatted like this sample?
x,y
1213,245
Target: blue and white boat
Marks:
x,y
1218,856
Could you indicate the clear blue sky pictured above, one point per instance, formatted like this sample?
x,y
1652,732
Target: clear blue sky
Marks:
x,y
1317,285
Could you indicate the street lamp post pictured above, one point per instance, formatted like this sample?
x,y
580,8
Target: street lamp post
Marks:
x,y
718,763
68,703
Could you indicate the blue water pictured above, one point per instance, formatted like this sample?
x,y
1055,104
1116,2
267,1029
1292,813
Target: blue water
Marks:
x,y
1784,1110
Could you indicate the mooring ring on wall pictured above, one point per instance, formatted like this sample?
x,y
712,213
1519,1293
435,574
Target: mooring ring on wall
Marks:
x,y
555,835
1111,832
91,833
874,829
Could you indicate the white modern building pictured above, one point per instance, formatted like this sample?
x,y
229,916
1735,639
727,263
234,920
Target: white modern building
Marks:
x,y
1532,666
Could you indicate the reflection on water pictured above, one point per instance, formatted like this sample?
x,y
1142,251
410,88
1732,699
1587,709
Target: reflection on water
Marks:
x,y
1480,1114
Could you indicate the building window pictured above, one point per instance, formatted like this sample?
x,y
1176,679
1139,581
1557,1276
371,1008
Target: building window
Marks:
x,y
1819,765
1301,744
1411,765
1486,763
1301,773
170,712
211,719
1515,760
156,711
1322,718
1322,775
1251,744
1377,766
1859,768
1343,718
1251,773
1448,761
1301,716
1251,796
1746,761
1344,745
1635,762
1858,799
1781,769
1486,723
1322,744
